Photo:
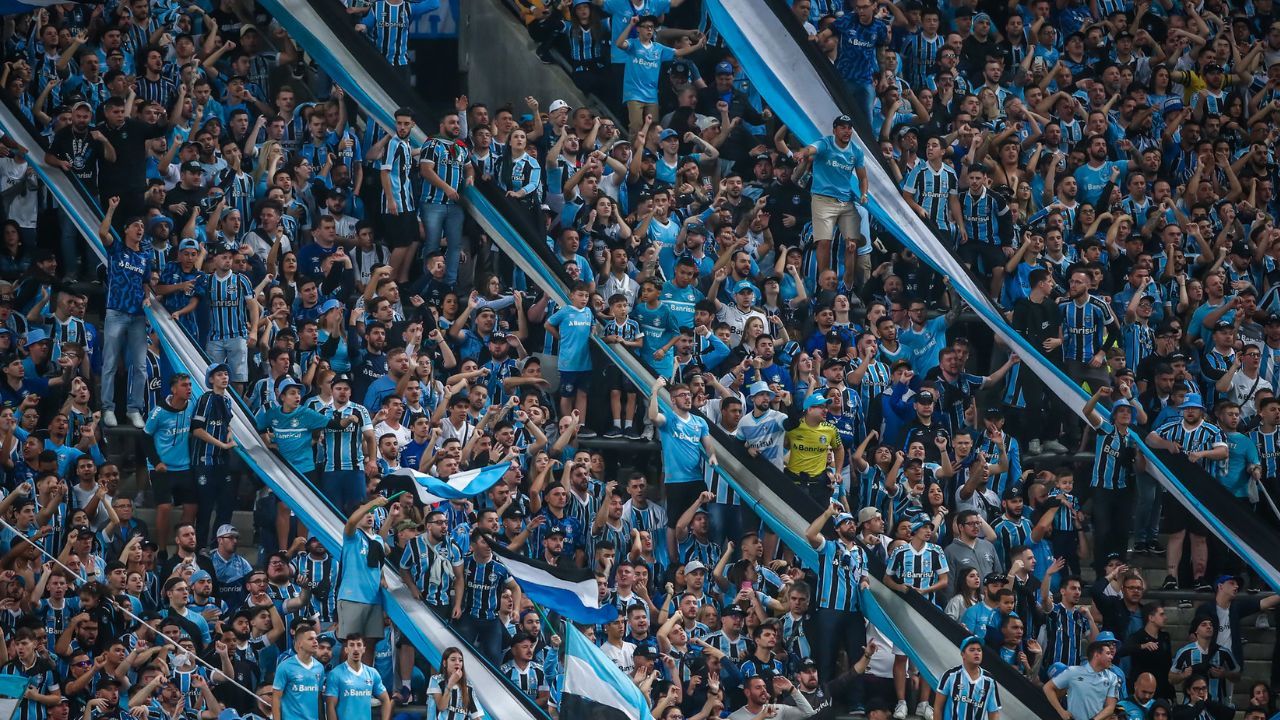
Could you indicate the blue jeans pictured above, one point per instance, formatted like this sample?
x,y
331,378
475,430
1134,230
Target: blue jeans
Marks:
x,y
128,334
483,635
444,222
1146,516
344,488
863,96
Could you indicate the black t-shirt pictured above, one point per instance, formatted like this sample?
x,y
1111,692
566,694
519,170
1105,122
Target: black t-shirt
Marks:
x,y
192,198
130,143
83,152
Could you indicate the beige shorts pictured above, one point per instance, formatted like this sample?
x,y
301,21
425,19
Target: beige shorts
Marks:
x,y
828,213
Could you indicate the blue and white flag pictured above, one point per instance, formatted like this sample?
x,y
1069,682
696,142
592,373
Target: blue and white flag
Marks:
x,y
594,688
17,7
570,591
458,486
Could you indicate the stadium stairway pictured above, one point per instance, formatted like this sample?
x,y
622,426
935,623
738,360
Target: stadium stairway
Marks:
x,y
428,633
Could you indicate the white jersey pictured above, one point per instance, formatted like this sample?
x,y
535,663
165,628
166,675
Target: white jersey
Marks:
x,y
764,433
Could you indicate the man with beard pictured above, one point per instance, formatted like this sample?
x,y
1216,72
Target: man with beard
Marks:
x,y
399,219
842,575
446,167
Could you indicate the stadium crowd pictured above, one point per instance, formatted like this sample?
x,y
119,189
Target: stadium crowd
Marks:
x,y
1105,169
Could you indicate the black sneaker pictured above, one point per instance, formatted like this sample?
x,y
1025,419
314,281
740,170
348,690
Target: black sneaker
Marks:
x,y
613,432
1202,585
1139,549
586,432
1170,583
634,433
1155,548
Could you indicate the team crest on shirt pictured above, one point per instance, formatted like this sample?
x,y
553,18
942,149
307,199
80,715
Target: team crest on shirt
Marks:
x,y
822,440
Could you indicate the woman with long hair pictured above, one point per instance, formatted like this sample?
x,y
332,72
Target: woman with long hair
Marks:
x,y
13,256
520,174
968,593
451,690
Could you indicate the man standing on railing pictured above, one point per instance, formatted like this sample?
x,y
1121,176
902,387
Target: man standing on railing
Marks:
x,y
861,34
842,576
125,327
835,158
362,553
446,166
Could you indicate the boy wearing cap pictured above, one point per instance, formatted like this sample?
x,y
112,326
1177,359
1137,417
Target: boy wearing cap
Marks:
x,y
571,328
289,429
967,691
211,446
233,316
182,284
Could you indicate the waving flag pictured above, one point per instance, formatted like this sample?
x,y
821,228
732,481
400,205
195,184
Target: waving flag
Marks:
x,y
17,7
594,688
460,485
570,591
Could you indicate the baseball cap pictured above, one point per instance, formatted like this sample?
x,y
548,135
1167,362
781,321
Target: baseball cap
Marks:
x,y
867,514
743,286
554,530
995,578
557,104
1226,579
733,609
215,368
919,523
724,68
1106,636
840,120
1223,325
668,134
513,513
645,651
815,400
227,530
192,166
328,305
159,220
925,397
199,575
1193,401
841,519
286,384
694,566
189,244
1212,68
808,664
969,640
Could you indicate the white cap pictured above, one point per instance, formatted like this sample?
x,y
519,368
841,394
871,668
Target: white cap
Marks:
x,y
227,530
558,105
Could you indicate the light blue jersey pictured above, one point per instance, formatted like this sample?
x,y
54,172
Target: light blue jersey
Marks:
x,y
644,66
682,451
574,325
833,168
299,688
292,433
170,430
360,583
355,690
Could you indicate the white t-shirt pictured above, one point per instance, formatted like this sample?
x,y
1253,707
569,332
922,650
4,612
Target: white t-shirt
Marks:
x,y
621,656
1244,390
22,208
402,433
737,319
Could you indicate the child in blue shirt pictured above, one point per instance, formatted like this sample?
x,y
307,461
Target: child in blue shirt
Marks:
x,y
571,327
625,332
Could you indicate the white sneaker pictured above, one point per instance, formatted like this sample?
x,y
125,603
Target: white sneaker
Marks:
x,y
109,418
900,712
136,418
1263,623
924,710
1054,446
1033,446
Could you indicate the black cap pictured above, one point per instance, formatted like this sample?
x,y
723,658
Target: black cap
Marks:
x,y
1012,493
994,411
1223,325
645,651
1179,357
513,513
925,397
808,664
192,166
995,577
733,610
1273,318
554,530
844,120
